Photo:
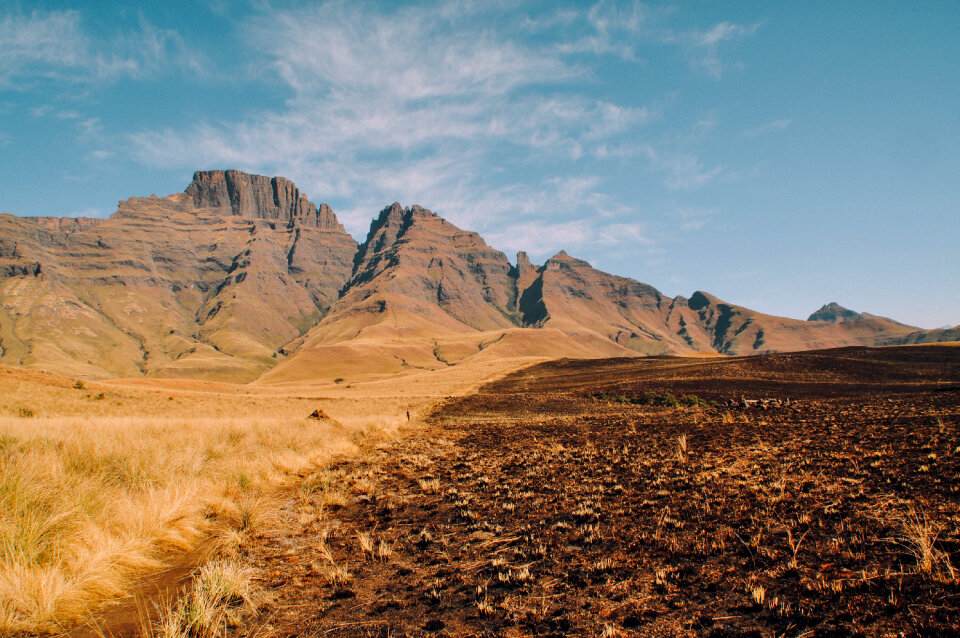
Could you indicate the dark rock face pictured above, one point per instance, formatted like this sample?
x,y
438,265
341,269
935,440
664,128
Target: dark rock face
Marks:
x,y
258,197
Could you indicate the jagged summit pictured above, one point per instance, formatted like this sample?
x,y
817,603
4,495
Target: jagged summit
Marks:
x,y
258,197
835,313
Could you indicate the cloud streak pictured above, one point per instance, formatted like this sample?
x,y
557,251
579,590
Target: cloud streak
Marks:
x,y
55,46
449,105
768,127
377,99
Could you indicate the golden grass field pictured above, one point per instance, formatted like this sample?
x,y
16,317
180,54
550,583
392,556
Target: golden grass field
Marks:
x,y
102,482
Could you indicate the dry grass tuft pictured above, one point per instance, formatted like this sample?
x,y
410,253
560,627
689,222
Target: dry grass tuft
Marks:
x,y
217,599
429,486
919,534
683,452
365,540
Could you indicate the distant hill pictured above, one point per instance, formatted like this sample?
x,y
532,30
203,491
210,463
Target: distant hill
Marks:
x,y
241,277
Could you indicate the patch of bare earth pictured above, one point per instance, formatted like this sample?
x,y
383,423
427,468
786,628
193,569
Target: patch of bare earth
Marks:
x,y
536,508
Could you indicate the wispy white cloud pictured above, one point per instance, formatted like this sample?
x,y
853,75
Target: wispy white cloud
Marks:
x,y
693,224
55,45
98,155
768,127
683,169
434,106
704,45
567,213
690,218
415,104
686,172
543,239
44,44
615,30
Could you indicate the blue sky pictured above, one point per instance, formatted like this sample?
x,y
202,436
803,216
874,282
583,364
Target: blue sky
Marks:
x,y
779,155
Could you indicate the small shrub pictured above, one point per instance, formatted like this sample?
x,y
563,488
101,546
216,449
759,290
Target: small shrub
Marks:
x,y
660,399
657,399
24,413
338,380
691,401
79,385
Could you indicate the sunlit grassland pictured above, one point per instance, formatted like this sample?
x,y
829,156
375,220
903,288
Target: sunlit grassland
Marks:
x,y
102,482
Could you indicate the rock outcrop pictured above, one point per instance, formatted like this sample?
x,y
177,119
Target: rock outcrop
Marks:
x,y
258,197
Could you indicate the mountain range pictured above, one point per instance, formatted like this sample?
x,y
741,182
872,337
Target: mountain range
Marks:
x,y
242,278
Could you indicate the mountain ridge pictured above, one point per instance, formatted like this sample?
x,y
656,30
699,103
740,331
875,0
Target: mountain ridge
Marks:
x,y
242,277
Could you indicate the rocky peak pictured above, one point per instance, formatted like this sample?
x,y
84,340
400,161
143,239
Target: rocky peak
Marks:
x,y
384,230
434,265
525,273
699,300
258,197
834,313
563,260
392,224
524,267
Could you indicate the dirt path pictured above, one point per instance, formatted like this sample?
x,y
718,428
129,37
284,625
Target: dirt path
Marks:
x,y
518,512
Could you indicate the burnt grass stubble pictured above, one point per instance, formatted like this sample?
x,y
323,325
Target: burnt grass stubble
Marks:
x,y
533,508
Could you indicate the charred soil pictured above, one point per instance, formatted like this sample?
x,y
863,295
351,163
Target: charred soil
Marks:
x,y
535,508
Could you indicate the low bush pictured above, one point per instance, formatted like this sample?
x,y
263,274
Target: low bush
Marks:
x,y
657,399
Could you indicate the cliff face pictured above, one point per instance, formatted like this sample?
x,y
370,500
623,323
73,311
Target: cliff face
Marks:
x,y
242,272
258,197
183,285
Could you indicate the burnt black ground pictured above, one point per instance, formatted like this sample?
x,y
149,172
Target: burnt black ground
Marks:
x,y
533,508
